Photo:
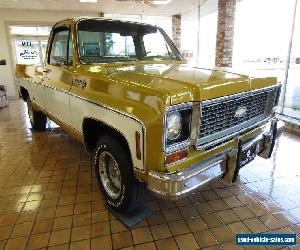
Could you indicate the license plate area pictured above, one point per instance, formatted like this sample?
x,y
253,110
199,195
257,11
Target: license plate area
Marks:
x,y
247,153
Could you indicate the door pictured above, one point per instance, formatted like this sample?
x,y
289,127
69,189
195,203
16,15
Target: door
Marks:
x,y
58,74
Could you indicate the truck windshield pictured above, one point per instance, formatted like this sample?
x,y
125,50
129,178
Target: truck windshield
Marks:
x,y
104,41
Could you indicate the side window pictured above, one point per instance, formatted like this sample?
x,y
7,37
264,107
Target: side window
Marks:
x,y
61,48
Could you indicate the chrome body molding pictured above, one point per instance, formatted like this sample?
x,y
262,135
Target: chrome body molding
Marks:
x,y
97,103
175,185
121,123
83,98
85,108
48,113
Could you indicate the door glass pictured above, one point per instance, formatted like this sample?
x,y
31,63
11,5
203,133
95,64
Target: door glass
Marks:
x,y
59,47
27,52
58,53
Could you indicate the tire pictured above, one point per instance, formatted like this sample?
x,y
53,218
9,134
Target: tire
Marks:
x,y
37,119
122,191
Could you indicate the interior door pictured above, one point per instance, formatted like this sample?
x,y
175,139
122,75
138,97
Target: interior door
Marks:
x,y
58,74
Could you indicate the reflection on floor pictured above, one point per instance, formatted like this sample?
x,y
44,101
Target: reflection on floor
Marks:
x,y
50,199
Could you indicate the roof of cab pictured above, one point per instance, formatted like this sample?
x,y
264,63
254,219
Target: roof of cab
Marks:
x,y
76,19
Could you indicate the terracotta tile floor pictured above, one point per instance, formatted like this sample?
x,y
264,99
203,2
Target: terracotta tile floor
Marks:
x,y
50,199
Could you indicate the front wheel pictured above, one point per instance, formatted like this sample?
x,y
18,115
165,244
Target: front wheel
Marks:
x,y
37,119
114,172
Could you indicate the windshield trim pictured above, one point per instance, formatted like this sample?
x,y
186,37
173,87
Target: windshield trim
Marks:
x,y
164,34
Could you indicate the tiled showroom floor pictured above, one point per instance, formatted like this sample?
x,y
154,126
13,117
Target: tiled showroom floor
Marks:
x,y
49,198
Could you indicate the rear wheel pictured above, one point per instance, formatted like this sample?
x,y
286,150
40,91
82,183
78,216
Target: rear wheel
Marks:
x,y
114,172
37,119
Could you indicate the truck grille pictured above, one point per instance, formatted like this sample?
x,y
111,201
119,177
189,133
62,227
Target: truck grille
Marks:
x,y
220,117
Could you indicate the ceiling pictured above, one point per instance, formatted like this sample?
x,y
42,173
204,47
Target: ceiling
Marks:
x,y
111,6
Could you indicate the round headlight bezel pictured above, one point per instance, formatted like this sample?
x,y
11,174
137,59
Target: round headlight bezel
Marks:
x,y
183,138
174,122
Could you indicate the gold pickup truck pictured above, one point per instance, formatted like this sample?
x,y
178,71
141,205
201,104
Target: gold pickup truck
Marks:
x,y
150,120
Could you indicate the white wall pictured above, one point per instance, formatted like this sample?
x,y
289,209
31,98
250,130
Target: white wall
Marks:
x,y
9,16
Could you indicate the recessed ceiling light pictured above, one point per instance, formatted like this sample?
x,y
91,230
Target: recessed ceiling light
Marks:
x,y
158,2
88,1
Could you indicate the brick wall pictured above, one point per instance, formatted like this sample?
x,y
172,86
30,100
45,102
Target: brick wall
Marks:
x,y
176,30
225,32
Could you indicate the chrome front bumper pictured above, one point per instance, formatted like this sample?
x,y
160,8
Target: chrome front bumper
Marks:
x,y
176,185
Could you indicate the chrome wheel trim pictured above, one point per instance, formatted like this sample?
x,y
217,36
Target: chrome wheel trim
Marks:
x,y
30,112
110,174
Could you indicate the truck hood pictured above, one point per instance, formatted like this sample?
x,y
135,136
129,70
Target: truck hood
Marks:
x,y
185,83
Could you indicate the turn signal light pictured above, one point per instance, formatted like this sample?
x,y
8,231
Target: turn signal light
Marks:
x,y
177,156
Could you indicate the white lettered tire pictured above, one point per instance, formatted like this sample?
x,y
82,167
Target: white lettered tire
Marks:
x,y
114,172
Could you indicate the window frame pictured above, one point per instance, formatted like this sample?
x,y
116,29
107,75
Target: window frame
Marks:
x,y
138,47
55,31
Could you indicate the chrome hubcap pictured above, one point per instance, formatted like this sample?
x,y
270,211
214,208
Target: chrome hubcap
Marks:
x,y
110,174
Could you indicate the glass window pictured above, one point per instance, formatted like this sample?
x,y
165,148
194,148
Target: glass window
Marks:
x,y
105,44
189,32
30,30
61,47
103,41
260,46
199,46
156,47
292,97
117,45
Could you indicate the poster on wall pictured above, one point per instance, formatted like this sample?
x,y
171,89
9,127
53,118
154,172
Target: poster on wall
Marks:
x,y
27,52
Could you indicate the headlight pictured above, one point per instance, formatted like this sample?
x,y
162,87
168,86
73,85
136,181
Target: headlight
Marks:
x,y
174,125
177,127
